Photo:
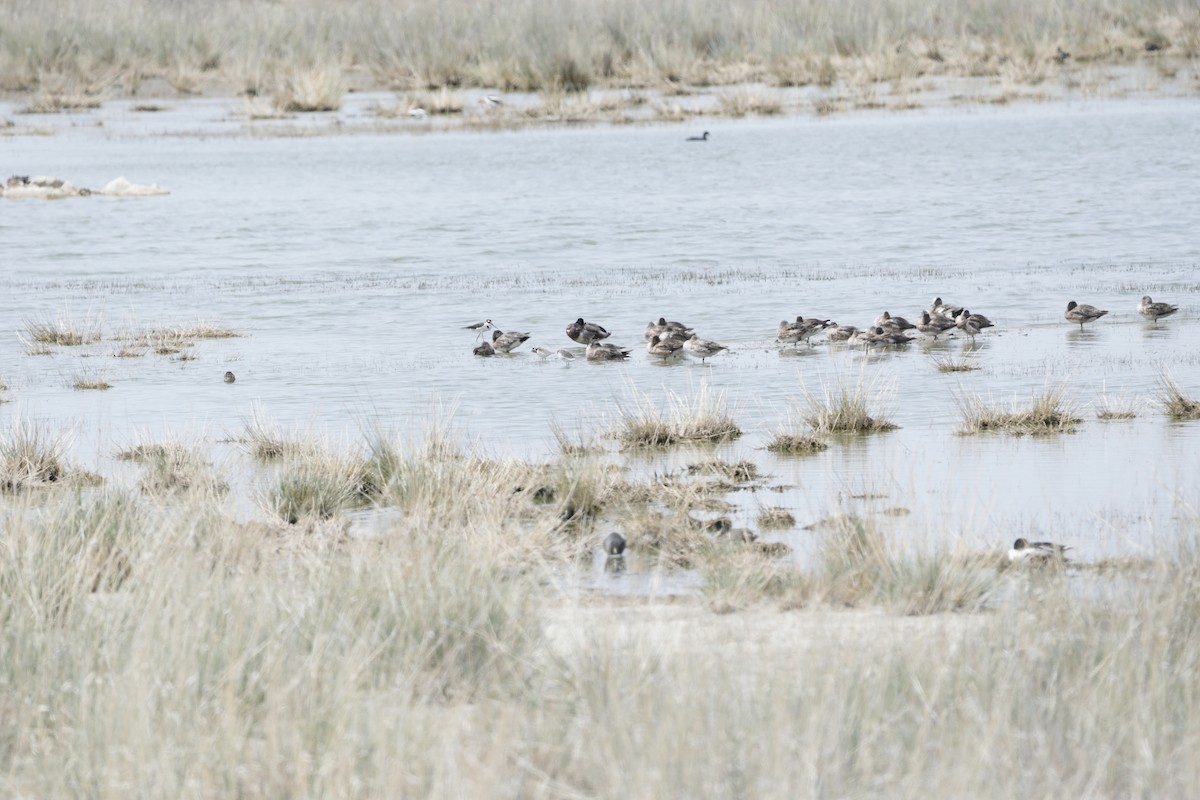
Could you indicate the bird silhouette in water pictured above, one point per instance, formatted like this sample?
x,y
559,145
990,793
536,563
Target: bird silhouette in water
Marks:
x,y
703,138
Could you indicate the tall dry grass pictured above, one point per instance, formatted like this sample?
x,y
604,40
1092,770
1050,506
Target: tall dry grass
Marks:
x,y
1047,413
154,646
700,416
70,49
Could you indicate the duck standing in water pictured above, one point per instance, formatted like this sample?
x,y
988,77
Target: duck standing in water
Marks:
x,y
702,349
1152,310
1083,313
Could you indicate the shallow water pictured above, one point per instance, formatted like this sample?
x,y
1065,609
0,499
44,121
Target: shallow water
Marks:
x,y
350,263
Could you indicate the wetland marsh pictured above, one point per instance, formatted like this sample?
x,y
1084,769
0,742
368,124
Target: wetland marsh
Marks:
x,y
440,618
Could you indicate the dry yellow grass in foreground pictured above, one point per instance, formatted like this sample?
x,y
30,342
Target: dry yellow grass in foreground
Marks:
x,y
154,646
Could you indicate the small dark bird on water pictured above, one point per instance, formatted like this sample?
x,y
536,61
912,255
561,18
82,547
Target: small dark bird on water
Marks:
x,y
614,544
229,377
484,349
703,138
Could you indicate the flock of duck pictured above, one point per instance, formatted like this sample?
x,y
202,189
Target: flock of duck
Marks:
x,y
665,340
668,340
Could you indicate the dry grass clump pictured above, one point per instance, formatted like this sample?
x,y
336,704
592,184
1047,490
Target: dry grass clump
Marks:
x,y
844,409
265,441
173,337
315,489
435,477
795,444
63,332
311,90
1175,403
174,467
951,364
775,517
87,381
1116,408
56,558
57,103
701,417
567,446
738,472
30,456
743,101
856,568
743,577
1046,414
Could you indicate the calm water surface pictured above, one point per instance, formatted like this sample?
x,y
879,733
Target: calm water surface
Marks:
x,y
351,262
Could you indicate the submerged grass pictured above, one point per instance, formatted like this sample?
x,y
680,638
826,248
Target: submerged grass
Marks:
x,y
1047,414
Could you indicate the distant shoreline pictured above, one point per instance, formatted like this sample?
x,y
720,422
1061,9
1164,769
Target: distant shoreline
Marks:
x,y
383,112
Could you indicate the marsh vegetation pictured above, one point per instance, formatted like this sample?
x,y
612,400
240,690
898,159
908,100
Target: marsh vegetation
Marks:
x,y
1047,413
383,659
305,56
